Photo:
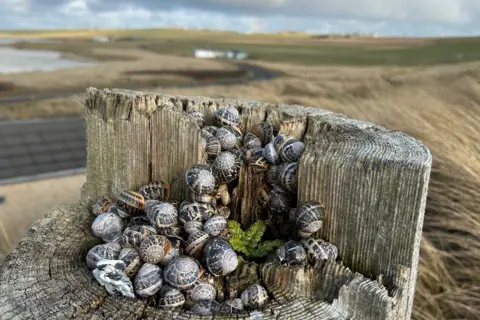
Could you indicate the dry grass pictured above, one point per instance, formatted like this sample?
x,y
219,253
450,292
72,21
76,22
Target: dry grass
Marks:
x,y
441,107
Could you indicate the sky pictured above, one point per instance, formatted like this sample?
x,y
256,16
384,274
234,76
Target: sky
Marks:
x,y
383,17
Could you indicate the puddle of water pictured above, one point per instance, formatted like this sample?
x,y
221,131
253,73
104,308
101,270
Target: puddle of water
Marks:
x,y
14,60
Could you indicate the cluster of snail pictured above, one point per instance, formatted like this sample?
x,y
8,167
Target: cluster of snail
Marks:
x,y
156,247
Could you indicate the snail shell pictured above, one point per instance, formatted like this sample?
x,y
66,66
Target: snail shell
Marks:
x,y
288,177
272,175
132,261
257,151
182,272
175,251
174,231
264,130
148,280
292,214
224,195
201,291
280,200
228,137
133,236
212,145
200,179
197,211
258,162
215,225
280,140
193,226
205,308
254,297
226,167
105,251
130,203
309,218
330,250
219,257
170,297
101,205
196,243
107,226
251,140
224,211
227,117
198,117
231,306
240,153
154,248
292,151
210,129
162,215
270,154
203,198
140,220
156,190
292,252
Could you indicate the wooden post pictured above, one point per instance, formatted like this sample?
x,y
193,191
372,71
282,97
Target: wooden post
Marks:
x,y
373,182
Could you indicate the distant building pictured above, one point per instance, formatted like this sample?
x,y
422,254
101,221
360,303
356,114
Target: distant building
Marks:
x,y
219,54
101,39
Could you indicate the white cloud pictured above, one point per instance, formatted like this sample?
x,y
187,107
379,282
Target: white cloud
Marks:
x,y
15,5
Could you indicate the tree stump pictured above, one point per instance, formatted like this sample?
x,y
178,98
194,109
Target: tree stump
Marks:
x,y
372,181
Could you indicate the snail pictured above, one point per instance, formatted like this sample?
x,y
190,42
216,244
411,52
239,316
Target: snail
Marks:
x,y
196,243
215,225
175,251
107,226
228,137
105,251
251,140
109,273
265,131
226,167
291,253
280,140
258,162
201,291
280,200
194,211
140,220
193,226
209,129
212,145
162,215
231,306
309,218
170,297
292,150
132,261
101,205
130,203
200,179
198,117
148,280
227,117
154,248
202,198
219,257
133,236
205,308
288,177
330,250
182,272
270,154
254,297
156,190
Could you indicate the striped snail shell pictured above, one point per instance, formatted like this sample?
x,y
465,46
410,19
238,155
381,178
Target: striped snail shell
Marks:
x,y
170,297
240,153
200,179
330,250
140,220
205,308
251,140
210,129
288,177
194,211
227,117
257,151
292,214
156,190
101,205
196,243
258,162
292,252
224,211
104,251
292,151
182,272
226,167
254,297
130,203
162,215
212,145
203,198
148,280
193,226
154,248
175,251
228,137
107,226
280,200
265,131
231,306
198,117
309,218
272,174
132,261
280,140
133,236
201,291
215,225
175,231
219,257
270,154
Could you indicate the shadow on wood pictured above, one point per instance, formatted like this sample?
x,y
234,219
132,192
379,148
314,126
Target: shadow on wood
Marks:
x,y
373,182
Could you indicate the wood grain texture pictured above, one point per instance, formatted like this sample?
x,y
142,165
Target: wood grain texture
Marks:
x,y
373,182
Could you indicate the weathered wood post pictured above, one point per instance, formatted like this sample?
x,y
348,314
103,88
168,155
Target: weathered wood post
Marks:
x,y
373,182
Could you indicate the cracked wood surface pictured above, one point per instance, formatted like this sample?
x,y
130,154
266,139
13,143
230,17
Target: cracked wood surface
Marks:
x,y
373,182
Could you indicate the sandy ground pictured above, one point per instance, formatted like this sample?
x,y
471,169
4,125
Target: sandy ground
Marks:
x,y
29,201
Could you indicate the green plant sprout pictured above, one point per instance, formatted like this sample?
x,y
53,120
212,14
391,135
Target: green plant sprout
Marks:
x,y
248,241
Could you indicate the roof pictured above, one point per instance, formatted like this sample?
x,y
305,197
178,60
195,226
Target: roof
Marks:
x,y
39,147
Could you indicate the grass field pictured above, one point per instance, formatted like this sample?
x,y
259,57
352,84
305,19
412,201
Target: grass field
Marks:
x,y
428,90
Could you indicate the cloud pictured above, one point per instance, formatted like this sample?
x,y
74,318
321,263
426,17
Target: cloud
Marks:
x,y
407,17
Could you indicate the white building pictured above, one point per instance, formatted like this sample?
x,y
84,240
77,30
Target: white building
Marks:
x,y
219,54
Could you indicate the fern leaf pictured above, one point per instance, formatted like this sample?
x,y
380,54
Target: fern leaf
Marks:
x,y
234,227
252,236
265,248
237,244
